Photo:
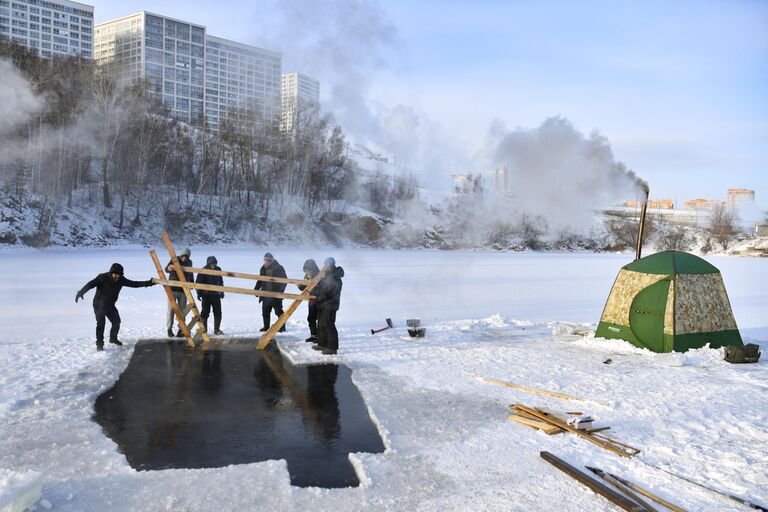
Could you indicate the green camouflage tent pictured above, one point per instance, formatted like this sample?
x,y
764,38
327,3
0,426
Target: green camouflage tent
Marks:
x,y
669,301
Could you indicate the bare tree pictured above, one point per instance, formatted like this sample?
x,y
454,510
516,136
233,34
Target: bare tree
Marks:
x,y
723,225
672,237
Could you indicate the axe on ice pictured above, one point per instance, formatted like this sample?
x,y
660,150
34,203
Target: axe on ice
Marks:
x,y
389,326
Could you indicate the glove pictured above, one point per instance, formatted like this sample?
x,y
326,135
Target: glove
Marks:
x,y
222,295
78,296
151,282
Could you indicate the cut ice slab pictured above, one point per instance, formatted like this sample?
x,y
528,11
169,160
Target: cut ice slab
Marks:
x,y
19,491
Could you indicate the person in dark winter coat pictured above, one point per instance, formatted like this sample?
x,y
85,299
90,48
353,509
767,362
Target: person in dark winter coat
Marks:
x,y
211,300
178,292
108,286
310,272
271,268
328,293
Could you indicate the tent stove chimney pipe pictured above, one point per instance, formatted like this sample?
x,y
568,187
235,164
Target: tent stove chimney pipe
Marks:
x,y
641,227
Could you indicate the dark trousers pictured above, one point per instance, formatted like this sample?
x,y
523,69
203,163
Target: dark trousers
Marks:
x,y
328,337
103,312
312,318
208,304
267,305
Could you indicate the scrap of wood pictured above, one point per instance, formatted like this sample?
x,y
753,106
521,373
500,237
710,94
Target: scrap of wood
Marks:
x,y
232,289
540,425
563,396
243,275
607,443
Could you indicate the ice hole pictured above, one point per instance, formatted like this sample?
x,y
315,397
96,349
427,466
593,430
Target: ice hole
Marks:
x,y
172,408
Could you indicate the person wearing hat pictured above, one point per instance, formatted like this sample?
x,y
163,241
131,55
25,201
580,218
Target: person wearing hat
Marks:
x,y
108,286
328,296
271,268
177,291
310,272
209,299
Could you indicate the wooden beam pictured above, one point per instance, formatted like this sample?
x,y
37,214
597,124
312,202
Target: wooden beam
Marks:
x,y
182,279
288,312
241,275
600,488
174,306
232,289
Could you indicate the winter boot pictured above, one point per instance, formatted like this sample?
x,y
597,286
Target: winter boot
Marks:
x,y
311,339
170,332
282,329
328,352
116,342
205,323
217,328
179,334
99,346
318,348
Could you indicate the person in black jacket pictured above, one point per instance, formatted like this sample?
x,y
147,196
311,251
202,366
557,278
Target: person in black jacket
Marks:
x,y
108,286
328,293
310,272
211,300
178,292
271,268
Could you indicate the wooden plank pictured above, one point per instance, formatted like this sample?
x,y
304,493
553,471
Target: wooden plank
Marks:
x,y
242,275
232,289
182,280
187,309
600,488
191,324
627,452
539,425
174,306
498,382
288,312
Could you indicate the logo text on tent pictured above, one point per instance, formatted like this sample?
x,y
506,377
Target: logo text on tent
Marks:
x,y
614,329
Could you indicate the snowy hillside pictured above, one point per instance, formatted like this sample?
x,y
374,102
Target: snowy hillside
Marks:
x,y
449,445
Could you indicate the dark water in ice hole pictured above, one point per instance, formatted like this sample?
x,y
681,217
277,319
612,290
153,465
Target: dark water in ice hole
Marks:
x,y
235,405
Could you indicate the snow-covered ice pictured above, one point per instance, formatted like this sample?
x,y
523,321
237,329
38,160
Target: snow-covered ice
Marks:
x,y
516,317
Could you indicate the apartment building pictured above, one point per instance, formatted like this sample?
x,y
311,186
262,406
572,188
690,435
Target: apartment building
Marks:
x,y
297,91
61,28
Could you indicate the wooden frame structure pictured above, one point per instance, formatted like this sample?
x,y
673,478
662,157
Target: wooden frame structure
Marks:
x,y
186,286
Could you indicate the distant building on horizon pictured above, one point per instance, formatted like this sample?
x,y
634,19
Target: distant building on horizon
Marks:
x,y
655,204
197,76
702,204
740,196
58,28
297,92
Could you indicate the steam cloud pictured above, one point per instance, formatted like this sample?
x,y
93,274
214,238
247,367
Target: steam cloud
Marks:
x,y
19,100
556,172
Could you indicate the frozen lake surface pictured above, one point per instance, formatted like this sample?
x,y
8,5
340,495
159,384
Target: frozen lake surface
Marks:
x,y
448,443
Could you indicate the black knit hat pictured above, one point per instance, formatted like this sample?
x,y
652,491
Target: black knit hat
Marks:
x,y
116,268
269,256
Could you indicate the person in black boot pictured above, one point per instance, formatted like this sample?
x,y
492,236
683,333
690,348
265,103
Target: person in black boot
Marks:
x,y
211,300
310,272
271,268
178,292
328,293
108,286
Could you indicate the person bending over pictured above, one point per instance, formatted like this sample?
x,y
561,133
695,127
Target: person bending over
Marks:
x,y
108,286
